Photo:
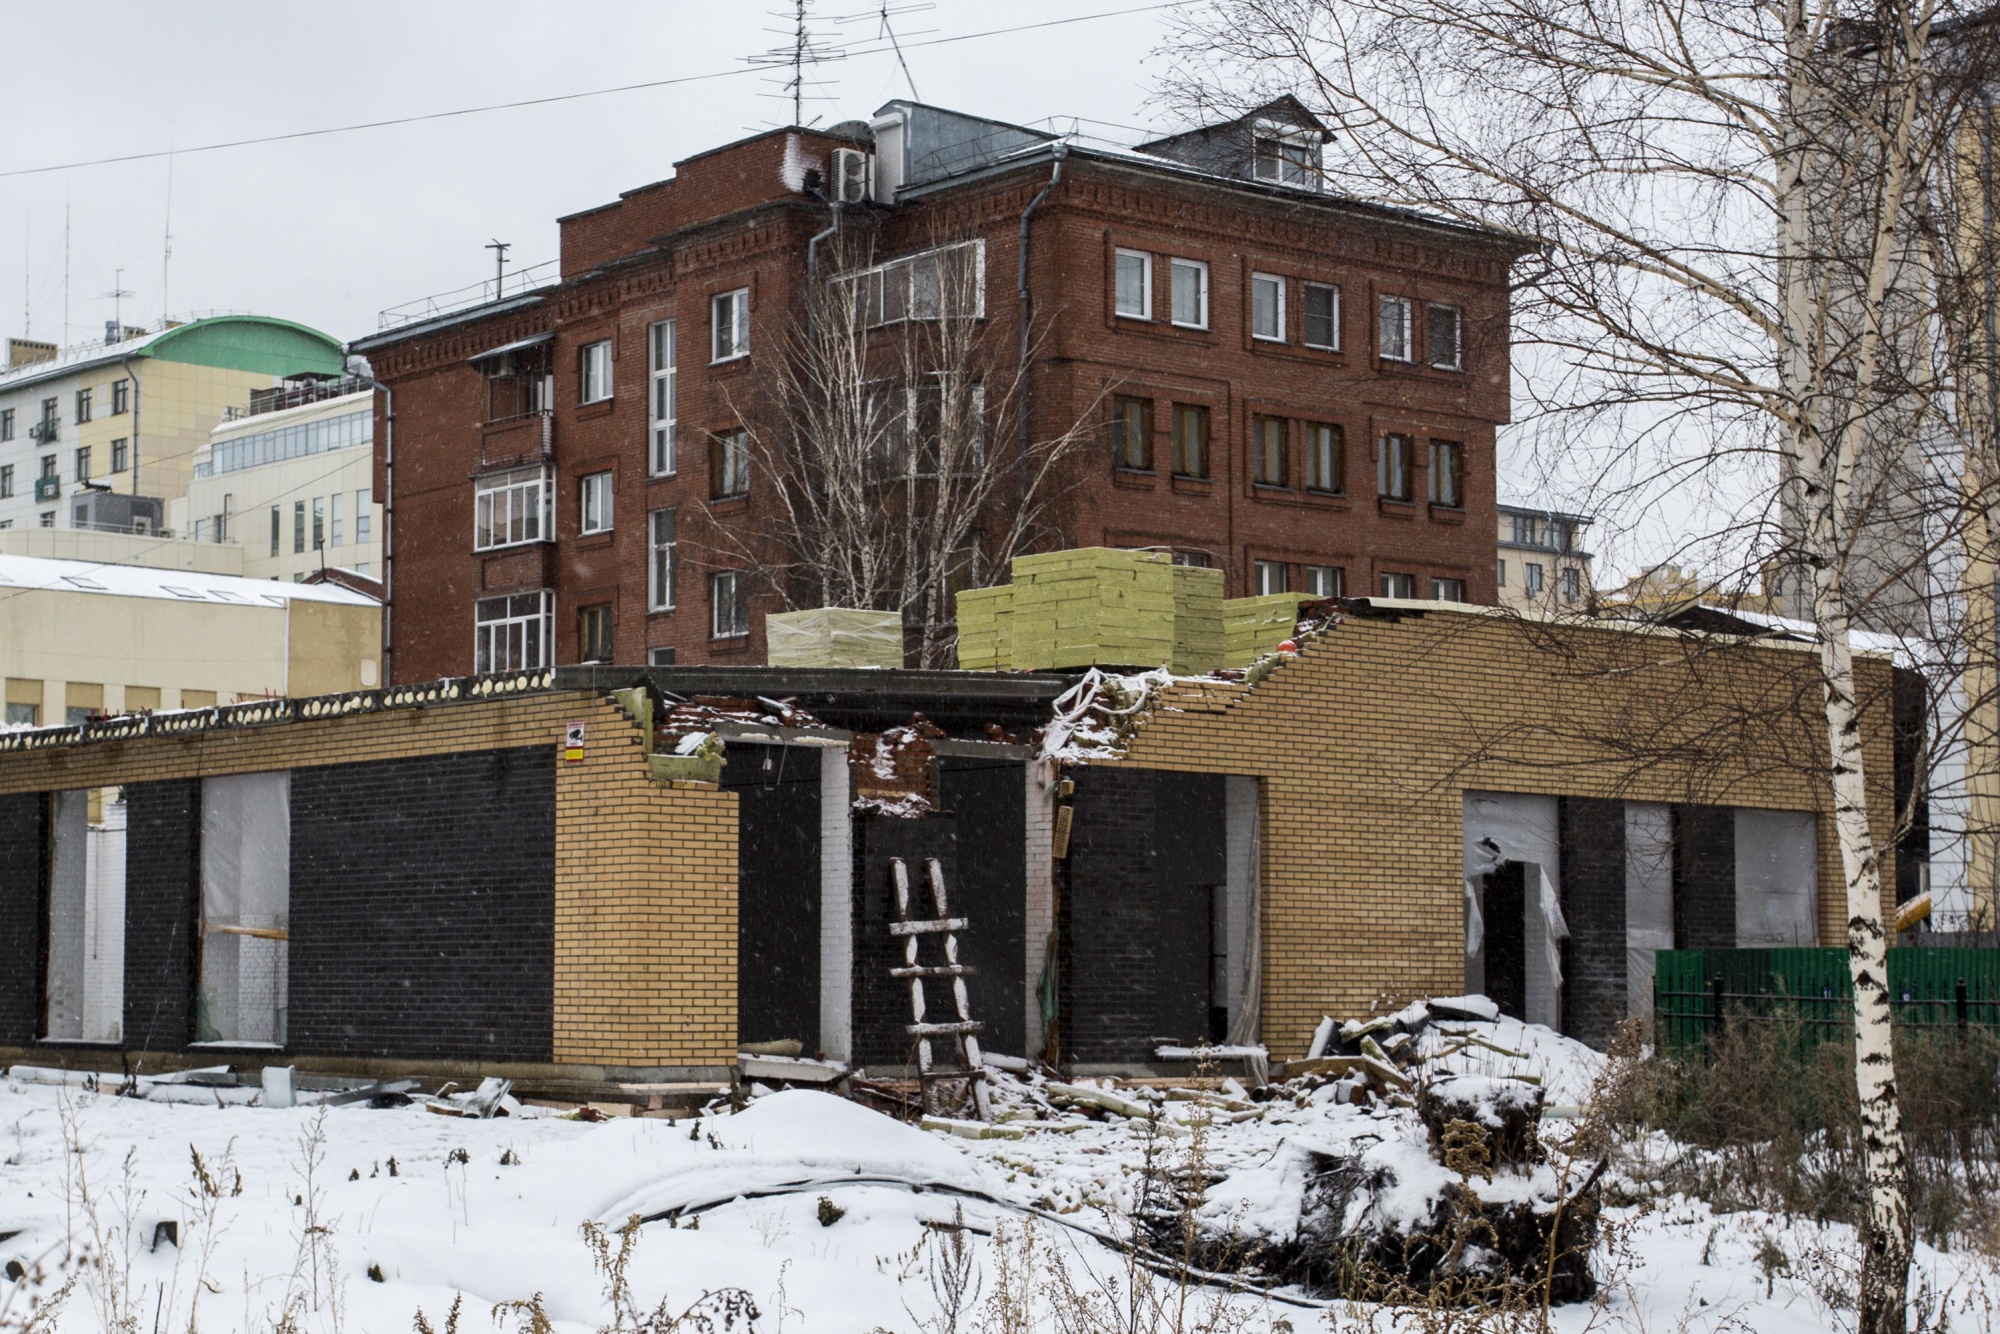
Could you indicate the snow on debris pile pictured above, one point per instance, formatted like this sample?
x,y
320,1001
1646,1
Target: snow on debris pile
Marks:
x,y
1094,718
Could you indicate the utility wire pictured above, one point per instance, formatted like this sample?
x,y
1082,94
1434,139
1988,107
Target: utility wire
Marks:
x,y
568,97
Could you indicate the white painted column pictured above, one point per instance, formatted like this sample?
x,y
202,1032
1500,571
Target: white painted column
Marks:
x,y
1038,853
836,906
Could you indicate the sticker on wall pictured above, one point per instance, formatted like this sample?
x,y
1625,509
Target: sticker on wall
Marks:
x,y
573,744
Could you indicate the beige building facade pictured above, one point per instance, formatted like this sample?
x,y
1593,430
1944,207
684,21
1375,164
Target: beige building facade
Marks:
x,y
1542,564
80,639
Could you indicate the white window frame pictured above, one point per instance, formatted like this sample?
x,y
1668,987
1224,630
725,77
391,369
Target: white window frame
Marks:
x,y
1199,268
1324,581
530,519
1439,587
1384,471
1408,579
1144,311
593,372
335,530
1276,286
493,619
1457,362
1305,326
1284,169
729,314
1534,578
594,495
739,603
662,555
1392,328
874,286
1270,576
663,344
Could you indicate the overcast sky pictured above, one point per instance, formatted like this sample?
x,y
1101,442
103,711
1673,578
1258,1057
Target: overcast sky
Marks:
x,y
330,230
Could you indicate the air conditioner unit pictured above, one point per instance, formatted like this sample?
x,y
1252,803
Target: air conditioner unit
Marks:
x,y
850,175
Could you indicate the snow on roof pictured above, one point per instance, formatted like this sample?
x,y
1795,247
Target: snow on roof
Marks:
x,y
77,356
23,573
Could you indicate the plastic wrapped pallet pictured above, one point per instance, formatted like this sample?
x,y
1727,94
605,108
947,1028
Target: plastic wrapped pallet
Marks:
x,y
1252,627
985,629
1092,605
835,637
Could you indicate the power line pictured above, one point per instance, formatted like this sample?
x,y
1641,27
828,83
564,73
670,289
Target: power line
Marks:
x,y
566,97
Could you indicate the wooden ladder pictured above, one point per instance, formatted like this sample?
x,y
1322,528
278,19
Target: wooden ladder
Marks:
x,y
970,1070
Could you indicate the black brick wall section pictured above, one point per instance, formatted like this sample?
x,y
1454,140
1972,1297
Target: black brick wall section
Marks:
x,y
1146,846
22,843
1704,877
989,801
162,903
423,907
778,887
1593,900
881,1002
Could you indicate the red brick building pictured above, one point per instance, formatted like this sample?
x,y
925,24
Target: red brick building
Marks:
x,y
1296,387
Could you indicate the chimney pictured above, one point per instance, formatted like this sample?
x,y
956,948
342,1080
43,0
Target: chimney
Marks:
x,y
26,351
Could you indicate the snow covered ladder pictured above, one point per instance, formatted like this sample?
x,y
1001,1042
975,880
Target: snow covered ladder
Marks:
x,y
970,1070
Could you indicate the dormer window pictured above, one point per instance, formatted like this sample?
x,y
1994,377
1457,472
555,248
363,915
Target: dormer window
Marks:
x,y
1286,157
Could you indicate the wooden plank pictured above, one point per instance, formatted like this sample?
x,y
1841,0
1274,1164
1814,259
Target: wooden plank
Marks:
x,y
928,928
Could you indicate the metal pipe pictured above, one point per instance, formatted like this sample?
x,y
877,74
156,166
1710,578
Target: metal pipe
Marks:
x,y
388,524
1027,309
132,378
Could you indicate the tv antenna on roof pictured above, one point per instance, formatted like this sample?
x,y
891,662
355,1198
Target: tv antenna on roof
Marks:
x,y
116,295
885,31
803,47
499,249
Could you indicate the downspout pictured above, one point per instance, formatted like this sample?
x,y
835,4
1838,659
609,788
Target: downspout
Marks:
x,y
1060,151
388,526
132,378
812,246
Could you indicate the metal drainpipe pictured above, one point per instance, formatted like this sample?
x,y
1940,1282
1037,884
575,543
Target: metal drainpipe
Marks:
x,y
132,378
1027,309
388,527
812,246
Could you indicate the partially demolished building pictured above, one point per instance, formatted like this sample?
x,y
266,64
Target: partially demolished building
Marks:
x,y
628,875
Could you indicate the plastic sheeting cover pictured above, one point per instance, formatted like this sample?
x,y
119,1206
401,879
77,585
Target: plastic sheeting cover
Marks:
x,y
834,637
1517,827
1777,879
1649,898
86,952
246,872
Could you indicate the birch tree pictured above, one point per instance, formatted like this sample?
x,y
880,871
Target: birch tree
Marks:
x,y
1735,295
888,450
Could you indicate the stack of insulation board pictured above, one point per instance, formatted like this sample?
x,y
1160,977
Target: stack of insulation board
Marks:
x,y
1198,637
835,637
1252,627
985,629
1092,605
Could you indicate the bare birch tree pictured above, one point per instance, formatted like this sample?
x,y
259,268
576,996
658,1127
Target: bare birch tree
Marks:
x,y
1735,294
888,439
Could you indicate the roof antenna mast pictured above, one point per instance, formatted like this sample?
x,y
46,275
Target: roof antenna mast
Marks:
x,y
499,249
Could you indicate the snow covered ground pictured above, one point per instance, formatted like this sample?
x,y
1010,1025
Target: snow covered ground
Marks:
x,y
405,1209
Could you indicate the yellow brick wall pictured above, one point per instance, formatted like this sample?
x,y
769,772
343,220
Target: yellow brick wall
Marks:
x,y
1367,742
645,892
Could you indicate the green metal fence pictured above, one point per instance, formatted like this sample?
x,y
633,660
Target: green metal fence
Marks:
x,y
1696,991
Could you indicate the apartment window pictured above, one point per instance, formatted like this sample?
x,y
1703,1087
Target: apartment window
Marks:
x,y
121,454
364,516
6,481
1527,530
948,280
121,396
298,526
1533,578
662,547
49,415
729,324
1392,467
595,494
1134,295
319,523
1392,328
729,605
1399,586
507,507
1286,158
1132,432
1190,441
666,372
514,632
1441,328
361,568
1322,316
48,467
82,406
1325,581
1447,473
1572,586
246,863
1500,574
729,464
6,423
594,372
277,528
1267,307
1190,278
1267,451
660,657
1268,576
1194,560
1326,458
1447,590
83,464
593,632
333,517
